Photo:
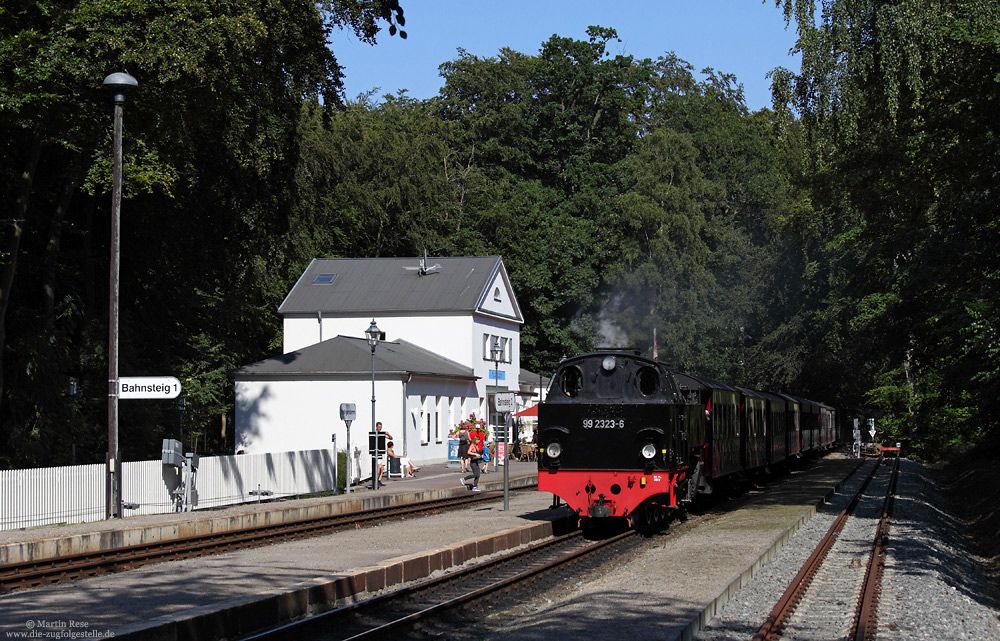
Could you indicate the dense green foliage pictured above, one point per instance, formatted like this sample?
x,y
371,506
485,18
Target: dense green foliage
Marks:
x,y
838,247
900,103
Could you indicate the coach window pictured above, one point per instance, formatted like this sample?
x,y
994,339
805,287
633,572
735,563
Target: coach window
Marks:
x,y
571,382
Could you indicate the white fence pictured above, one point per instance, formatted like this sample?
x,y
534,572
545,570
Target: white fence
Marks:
x,y
76,494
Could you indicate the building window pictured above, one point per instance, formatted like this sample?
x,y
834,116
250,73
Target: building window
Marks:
x,y
496,294
506,348
437,421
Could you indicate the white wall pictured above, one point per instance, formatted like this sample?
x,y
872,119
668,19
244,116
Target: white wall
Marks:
x,y
434,406
438,334
434,333
302,414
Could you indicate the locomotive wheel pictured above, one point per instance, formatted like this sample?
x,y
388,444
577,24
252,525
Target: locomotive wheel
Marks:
x,y
644,518
650,518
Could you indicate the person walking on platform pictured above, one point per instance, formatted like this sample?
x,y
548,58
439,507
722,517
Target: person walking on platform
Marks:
x,y
474,457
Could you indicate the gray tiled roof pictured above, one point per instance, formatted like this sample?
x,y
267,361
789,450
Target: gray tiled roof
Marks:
x,y
384,285
346,356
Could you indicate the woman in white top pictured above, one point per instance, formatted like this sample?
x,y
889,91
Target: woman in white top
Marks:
x,y
404,462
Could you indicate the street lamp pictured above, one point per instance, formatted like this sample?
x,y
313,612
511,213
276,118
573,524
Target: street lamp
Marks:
x,y
374,334
118,83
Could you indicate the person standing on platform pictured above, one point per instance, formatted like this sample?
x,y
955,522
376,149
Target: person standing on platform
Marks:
x,y
463,449
382,460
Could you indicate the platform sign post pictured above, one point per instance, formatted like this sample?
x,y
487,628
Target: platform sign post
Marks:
x,y
502,452
505,404
348,412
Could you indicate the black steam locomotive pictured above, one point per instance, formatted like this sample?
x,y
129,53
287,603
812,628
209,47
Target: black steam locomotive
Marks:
x,y
622,436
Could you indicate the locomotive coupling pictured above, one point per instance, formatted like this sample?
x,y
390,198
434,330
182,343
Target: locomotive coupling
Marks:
x,y
600,511
601,508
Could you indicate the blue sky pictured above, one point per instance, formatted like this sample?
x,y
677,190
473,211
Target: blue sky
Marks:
x,y
742,37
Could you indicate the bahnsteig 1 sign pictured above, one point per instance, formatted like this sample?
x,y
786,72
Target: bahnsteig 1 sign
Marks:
x,y
148,387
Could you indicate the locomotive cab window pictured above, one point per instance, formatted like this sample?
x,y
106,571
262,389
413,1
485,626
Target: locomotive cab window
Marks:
x,y
571,381
648,381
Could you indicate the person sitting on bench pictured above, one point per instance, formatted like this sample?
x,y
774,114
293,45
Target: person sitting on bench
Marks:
x,y
404,462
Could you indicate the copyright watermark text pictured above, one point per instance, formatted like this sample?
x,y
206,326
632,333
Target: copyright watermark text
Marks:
x,y
58,629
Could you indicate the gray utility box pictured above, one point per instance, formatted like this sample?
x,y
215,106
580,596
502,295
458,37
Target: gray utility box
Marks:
x,y
172,453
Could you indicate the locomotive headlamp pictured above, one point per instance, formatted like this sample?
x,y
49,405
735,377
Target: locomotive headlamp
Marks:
x,y
553,449
648,450
609,363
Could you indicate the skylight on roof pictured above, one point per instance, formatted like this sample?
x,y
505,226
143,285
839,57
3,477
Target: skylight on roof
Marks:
x,y
324,279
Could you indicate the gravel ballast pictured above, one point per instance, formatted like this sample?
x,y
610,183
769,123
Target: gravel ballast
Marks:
x,y
932,588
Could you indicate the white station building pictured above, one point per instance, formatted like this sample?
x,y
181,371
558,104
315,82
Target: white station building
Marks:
x,y
440,321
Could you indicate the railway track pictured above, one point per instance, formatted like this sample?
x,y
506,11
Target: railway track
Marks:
x,y
844,569
431,607
26,575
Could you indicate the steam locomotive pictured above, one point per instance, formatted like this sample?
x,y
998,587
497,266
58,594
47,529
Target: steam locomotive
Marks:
x,y
622,436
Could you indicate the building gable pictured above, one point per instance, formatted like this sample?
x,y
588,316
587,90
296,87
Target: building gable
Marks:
x,y
497,298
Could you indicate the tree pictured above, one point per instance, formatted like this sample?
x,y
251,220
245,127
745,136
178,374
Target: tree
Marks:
x,y
898,102
536,145
209,136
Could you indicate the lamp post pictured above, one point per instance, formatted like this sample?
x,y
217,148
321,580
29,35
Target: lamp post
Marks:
x,y
373,334
118,83
495,353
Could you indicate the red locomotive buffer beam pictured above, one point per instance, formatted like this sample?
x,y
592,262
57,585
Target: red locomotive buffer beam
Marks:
x,y
612,493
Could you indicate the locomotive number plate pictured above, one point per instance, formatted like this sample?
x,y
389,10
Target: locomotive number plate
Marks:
x,y
603,423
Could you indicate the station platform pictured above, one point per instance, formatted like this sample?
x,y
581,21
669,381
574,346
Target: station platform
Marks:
x,y
433,481
229,594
